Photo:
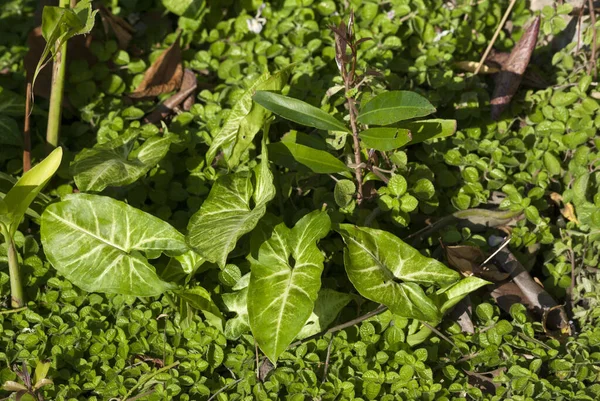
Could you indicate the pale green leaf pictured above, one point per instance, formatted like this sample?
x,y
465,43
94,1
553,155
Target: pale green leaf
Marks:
x,y
245,120
375,260
199,299
298,111
328,305
393,106
185,8
17,200
285,281
97,242
227,213
114,164
457,291
237,302
385,139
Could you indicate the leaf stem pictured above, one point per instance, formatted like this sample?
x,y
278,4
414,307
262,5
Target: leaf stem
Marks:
x,y
592,66
147,378
27,130
57,92
16,287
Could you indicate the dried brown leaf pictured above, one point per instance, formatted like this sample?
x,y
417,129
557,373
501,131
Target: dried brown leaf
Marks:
x,y
164,75
122,29
188,86
569,212
509,79
468,259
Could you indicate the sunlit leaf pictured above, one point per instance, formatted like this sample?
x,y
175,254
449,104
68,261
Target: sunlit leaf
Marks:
x,y
298,111
98,243
385,139
328,305
393,106
285,281
423,130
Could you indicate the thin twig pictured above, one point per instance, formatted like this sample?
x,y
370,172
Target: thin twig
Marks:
x,y
219,391
441,335
326,368
491,44
27,131
380,309
592,65
257,363
147,378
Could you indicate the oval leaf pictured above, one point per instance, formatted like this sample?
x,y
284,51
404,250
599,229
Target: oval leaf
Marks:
x,y
289,154
96,242
393,106
298,111
285,281
424,130
385,139
375,259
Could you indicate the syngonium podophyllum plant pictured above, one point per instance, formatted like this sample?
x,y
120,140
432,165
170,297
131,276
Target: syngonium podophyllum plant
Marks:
x,y
102,244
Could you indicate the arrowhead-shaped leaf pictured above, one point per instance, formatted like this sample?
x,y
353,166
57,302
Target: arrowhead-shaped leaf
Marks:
x,y
298,111
17,200
245,120
376,261
97,242
114,164
285,281
227,213
393,106
456,292
385,139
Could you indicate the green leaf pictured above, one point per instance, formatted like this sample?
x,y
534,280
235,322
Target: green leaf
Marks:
x,y
293,153
227,213
199,299
393,106
328,305
11,104
60,24
298,111
17,200
237,302
456,292
41,371
375,259
344,192
385,139
115,164
245,120
185,8
285,281
424,130
97,242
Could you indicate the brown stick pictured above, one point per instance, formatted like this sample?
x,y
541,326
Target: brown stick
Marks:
x,y
26,131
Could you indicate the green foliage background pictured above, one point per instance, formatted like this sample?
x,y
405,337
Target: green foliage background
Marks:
x,y
103,345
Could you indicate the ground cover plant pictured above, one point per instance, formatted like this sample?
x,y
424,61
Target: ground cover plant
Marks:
x,y
299,200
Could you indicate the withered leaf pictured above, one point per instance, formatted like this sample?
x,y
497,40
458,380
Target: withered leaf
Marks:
x,y
468,259
122,29
509,79
185,93
164,75
569,212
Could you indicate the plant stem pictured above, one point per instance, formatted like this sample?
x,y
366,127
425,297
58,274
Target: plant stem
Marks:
x,y
16,287
6,312
27,131
56,94
592,66
144,380
380,309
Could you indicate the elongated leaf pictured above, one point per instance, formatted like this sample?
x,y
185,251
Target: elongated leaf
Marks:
x,y
237,302
297,151
17,200
385,139
298,111
227,213
245,120
199,299
11,104
97,242
114,164
9,132
375,259
393,106
285,281
329,303
423,130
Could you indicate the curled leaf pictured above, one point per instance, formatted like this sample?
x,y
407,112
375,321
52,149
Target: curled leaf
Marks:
x,y
122,29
